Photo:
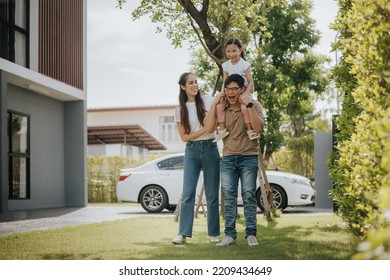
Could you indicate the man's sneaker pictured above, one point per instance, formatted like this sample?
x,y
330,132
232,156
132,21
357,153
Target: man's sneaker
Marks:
x,y
178,240
253,135
227,240
213,239
252,240
221,134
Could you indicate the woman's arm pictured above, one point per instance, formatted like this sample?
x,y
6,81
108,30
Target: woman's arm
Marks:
x,y
210,123
188,137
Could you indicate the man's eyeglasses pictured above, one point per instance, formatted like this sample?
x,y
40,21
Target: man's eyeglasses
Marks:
x,y
232,89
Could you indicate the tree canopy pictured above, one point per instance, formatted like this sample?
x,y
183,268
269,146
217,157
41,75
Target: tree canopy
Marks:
x,y
288,75
205,23
278,37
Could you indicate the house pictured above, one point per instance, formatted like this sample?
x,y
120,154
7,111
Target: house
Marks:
x,y
43,104
133,131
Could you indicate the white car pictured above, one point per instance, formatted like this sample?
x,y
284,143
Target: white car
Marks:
x,y
158,184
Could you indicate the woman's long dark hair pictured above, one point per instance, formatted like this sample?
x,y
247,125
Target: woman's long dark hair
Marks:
x,y
183,98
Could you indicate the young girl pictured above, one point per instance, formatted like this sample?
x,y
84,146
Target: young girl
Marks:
x,y
201,153
235,65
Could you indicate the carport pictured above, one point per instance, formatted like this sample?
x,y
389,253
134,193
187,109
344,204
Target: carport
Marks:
x,y
132,135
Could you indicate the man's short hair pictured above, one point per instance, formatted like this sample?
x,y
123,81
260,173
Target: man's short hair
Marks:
x,y
235,78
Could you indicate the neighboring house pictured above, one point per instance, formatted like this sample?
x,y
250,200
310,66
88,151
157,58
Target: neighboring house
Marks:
x,y
42,104
131,131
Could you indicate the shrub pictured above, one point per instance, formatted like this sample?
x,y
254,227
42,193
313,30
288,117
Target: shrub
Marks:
x,y
377,244
103,175
301,160
358,171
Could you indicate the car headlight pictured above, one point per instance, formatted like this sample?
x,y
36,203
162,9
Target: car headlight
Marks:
x,y
299,181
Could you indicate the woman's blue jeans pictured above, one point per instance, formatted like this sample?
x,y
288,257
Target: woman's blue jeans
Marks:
x,y
200,156
243,168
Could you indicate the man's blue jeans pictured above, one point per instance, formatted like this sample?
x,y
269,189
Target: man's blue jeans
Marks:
x,y
243,168
200,155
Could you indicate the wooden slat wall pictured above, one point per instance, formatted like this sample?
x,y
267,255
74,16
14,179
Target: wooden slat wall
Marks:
x,y
61,40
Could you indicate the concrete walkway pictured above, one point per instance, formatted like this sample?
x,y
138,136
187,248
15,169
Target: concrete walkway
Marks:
x,y
23,221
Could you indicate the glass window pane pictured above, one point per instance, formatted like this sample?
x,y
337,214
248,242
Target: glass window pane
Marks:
x,y
19,178
166,119
4,9
20,49
4,39
20,14
19,130
171,163
13,43
163,132
169,133
163,165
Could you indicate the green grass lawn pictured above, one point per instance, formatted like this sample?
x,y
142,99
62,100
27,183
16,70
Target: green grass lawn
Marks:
x,y
149,238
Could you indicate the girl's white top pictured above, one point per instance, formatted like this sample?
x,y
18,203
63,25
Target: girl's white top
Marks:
x,y
238,68
193,117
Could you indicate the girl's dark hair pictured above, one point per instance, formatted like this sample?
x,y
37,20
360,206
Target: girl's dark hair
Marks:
x,y
234,41
183,98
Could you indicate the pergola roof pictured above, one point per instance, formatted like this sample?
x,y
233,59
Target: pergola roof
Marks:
x,y
133,135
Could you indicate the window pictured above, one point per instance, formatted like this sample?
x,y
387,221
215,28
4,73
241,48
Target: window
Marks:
x,y
14,35
168,130
175,163
19,156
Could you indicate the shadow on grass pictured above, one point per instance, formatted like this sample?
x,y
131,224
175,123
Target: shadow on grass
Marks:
x,y
287,243
63,256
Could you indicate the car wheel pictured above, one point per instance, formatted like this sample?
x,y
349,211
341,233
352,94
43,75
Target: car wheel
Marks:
x,y
279,197
153,199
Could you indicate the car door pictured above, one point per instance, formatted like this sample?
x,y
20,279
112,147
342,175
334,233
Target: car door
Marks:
x,y
171,175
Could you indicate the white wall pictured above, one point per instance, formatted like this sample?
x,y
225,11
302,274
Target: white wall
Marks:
x,y
149,119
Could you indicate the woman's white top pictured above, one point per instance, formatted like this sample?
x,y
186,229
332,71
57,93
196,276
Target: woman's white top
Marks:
x,y
193,117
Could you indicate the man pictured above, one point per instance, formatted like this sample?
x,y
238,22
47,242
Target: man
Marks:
x,y
240,158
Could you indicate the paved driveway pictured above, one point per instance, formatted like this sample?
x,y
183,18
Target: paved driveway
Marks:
x,y
23,221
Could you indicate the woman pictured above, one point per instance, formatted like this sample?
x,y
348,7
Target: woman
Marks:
x,y
201,154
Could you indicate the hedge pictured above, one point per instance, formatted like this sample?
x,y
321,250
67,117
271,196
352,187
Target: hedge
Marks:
x,y
360,170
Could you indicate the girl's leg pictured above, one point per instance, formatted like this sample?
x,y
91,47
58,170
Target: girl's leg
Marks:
x,y
221,113
251,133
221,131
245,113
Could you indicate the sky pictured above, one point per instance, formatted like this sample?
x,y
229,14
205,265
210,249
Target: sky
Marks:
x,y
129,64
